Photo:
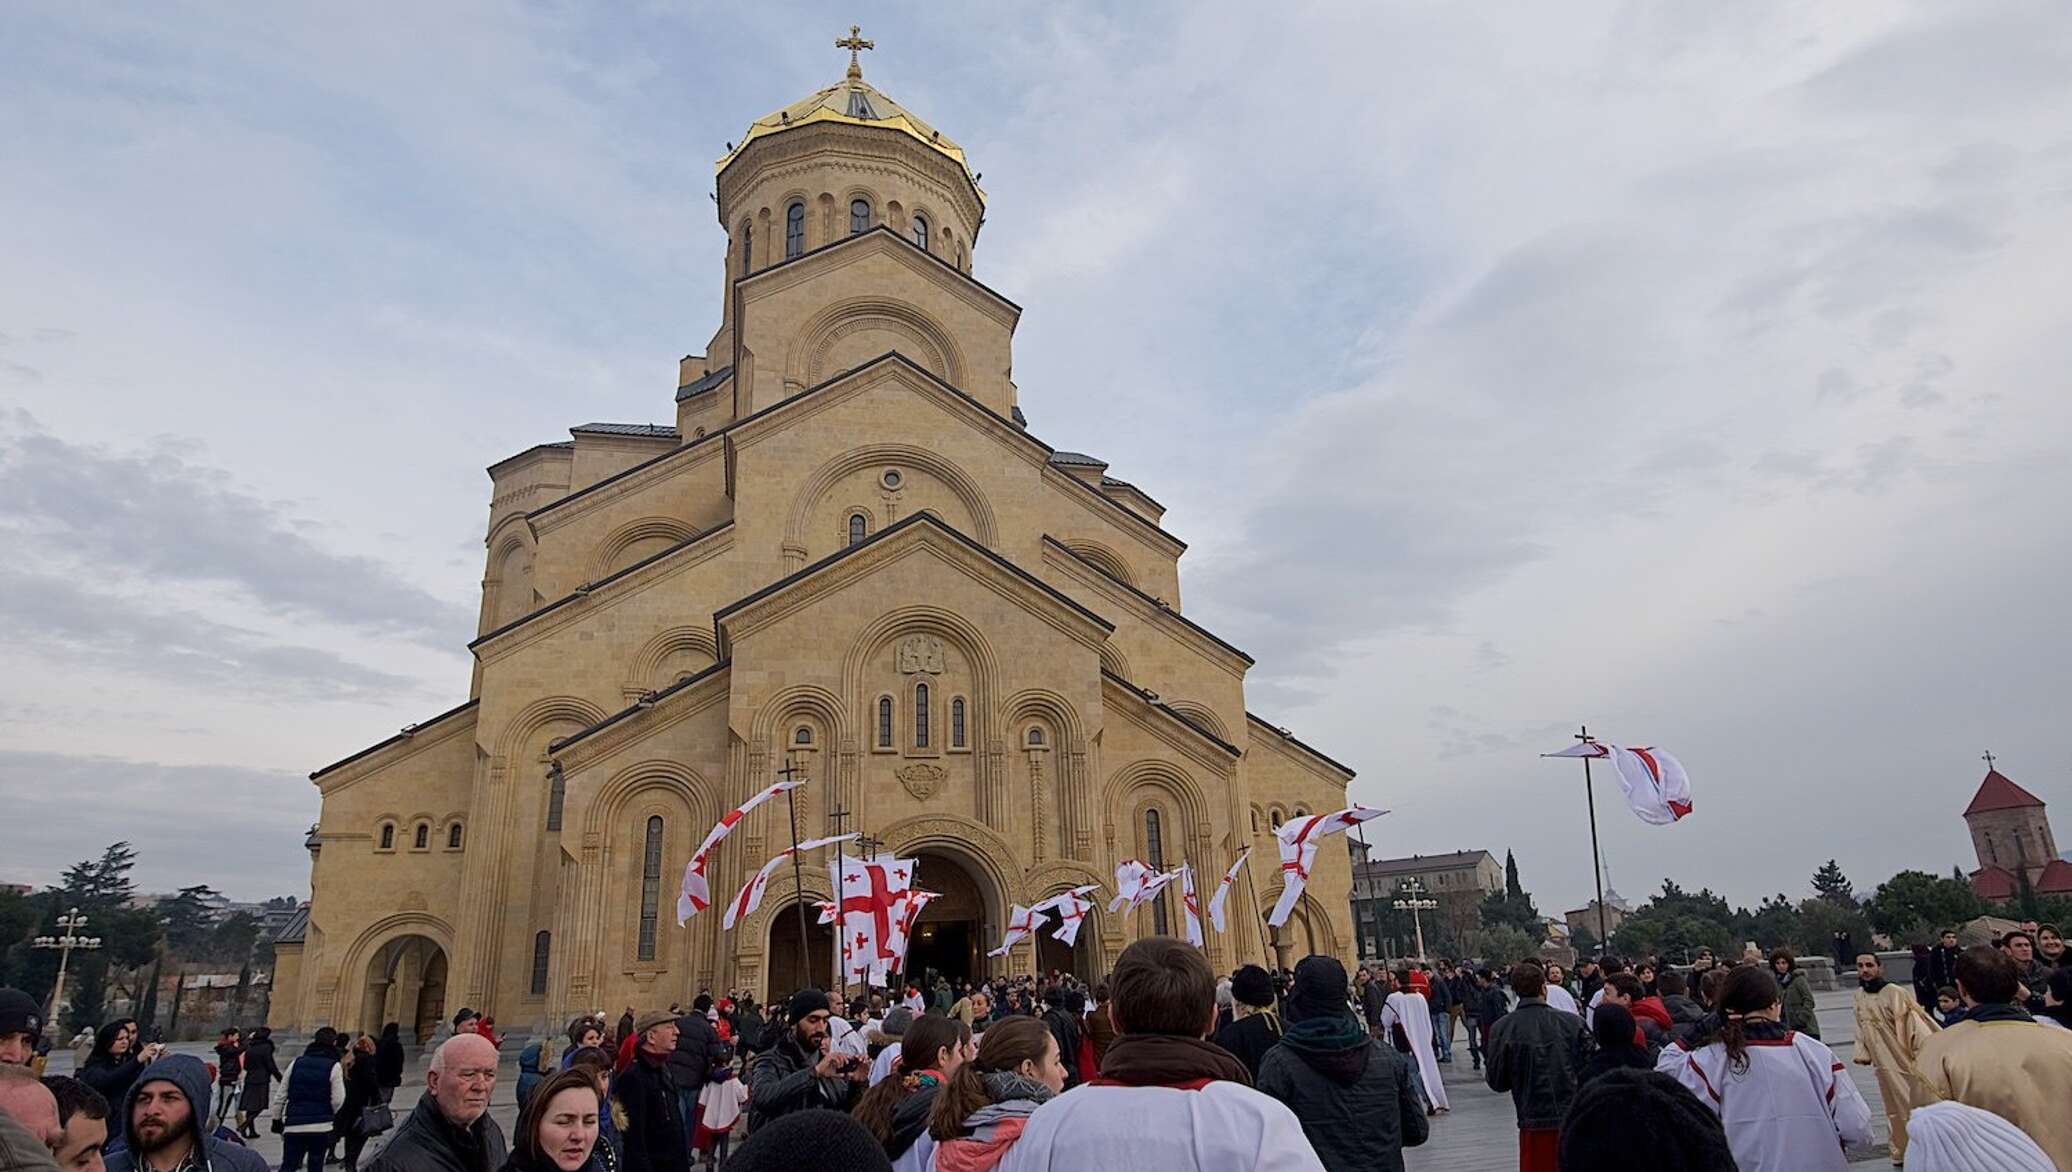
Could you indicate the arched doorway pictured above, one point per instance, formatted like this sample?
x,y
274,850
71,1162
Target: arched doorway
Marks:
x,y
787,975
1054,955
406,984
954,932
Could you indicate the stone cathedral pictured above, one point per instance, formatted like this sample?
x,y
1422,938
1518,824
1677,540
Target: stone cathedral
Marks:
x,y
850,554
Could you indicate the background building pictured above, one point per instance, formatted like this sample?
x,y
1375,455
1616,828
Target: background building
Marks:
x,y
2011,833
1458,881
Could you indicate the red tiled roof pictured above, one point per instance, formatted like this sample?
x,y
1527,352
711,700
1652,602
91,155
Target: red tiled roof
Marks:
x,y
1996,792
2056,878
1994,883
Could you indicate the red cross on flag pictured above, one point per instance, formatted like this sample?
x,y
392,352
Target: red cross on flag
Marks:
x,y
1021,924
870,906
1190,901
1071,911
1298,839
1217,901
1657,788
1129,880
695,895
1154,885
911,903
751,896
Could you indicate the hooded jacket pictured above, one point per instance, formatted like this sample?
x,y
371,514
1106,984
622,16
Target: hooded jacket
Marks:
x,y
191,1076
1351,1094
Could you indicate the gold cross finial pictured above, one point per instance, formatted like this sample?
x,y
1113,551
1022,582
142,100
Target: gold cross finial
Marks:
x,y
855,43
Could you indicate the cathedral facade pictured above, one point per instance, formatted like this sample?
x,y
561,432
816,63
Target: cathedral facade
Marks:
x,y
849,557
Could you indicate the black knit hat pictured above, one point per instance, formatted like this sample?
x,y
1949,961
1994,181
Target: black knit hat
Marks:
x,y
1252,985
1319,989
1641,1121
19,1013
826,1141
807,1001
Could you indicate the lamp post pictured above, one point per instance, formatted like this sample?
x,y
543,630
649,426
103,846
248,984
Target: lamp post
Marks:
x,y
1412,899
71,927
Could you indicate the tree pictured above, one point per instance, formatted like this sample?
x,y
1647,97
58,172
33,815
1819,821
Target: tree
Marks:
x,y
1831,885
102,883
1820,919
1913,906
187,920
1502,944
1583,940
1511,886
1675,923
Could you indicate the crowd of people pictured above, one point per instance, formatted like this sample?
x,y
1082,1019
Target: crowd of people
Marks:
x,y
1616,1065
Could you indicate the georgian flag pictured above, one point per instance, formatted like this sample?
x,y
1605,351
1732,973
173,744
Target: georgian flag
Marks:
x,y
910,904
1222,896
1130,875
751,896
870,907
1021,924
1657,788
1154,885
695,895
1298,838
1191,902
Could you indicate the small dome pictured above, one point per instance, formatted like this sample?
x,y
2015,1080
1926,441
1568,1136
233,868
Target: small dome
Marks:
x,y
858,103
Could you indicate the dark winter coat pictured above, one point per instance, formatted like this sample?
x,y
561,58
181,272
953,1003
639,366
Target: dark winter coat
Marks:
x,y
1799,1011
1488,1005
426,1142
230,1062
1942,966
1535,1053
1250,1038
388,1057
260,1072
910,1119
106,1073
698,1050
1686,1018
655,1138
781,1080
309,1087
1372,1002
188,1073
362,1089
1064,1026
1441,997
1351,1093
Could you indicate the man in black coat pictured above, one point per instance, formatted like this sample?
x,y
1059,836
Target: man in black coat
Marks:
x,y
655,1138
450,1129
1256,1028
800,1070
1486,1005
1064,1026
1535,1053
698,1050
1352,1094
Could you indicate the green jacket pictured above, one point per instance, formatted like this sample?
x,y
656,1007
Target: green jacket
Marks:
x,y
1799,1013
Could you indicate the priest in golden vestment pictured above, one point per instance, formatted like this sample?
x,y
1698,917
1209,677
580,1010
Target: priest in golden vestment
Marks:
x,y
1890,1028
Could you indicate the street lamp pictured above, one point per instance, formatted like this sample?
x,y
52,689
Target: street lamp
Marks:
x,y
71,925
1412,899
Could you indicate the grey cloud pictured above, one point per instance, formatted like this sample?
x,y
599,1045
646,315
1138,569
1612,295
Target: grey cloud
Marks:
x,y
56,616
234,828
159,515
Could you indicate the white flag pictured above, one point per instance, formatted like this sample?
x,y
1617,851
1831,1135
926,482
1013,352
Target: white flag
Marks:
x,y
1222,896
695,895
1298,838
1192,903
1071,913
1129,880
1058,900
870,905
751,896
1657,789
1021,924
1153,886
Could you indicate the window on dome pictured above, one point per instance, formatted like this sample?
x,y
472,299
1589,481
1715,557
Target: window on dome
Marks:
x,y
859,216
921,232
747,247
794,230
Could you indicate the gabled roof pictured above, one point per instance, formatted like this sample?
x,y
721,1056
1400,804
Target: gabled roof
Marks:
x,y
295,929
1077,460
2056,878
1298,742
1994,883
1996,792
643,430
589,588
704,383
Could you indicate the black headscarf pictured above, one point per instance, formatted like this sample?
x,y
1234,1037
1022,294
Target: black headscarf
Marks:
x,y
1319,989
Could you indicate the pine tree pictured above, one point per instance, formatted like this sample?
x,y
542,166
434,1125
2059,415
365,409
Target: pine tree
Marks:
x,y
1831,885
1511,887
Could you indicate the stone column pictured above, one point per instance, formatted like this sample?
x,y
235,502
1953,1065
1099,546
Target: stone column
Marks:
x,y
478,927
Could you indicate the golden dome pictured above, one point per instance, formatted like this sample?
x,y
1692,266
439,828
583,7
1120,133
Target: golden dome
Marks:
x,y
857,103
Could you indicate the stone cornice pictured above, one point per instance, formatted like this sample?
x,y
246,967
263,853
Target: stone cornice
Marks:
x,y
646,717
920,534
880,240
414,739
1304,754
556,513
1167,725
1188,633
603,594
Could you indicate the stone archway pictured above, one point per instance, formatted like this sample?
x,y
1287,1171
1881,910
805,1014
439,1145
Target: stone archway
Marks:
x,y
785,973
954,932
406,984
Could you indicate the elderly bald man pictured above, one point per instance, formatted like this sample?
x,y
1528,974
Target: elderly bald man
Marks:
x,y
450,1131
29,1128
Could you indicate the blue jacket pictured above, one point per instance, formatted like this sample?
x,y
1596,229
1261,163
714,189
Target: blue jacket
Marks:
x,y
191,1076
309,1088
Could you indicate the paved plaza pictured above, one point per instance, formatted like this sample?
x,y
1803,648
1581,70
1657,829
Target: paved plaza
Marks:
x,y
1479,1135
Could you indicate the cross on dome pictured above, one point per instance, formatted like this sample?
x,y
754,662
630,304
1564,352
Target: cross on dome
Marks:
x,y
855,43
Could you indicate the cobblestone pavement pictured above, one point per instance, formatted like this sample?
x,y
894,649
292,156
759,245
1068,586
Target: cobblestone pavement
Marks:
x,y
1479,1135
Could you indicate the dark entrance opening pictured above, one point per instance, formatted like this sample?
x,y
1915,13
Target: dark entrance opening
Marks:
x,y
948,936
787,975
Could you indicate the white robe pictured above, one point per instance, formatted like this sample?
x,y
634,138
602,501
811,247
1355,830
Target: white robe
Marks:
x,y
1563,1000
1788,1112
1416,1016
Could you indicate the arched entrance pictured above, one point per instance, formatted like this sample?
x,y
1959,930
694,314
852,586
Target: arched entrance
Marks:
x,y
787,975
954,932
406,984
1054,955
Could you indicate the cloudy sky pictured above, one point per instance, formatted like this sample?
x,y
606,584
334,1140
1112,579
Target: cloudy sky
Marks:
x,y
1697,372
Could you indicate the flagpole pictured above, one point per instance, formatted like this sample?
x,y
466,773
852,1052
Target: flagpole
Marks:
x,y
1272,955
798,879
1596,859
837,817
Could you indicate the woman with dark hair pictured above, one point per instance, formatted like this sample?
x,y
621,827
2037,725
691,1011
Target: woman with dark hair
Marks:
x,y
1782,1097
597,1064
1612,1026
979,1112
1640,1121
388,1061
260,1073
557,1131
896,1110
117,1059
1799,1012
362,1090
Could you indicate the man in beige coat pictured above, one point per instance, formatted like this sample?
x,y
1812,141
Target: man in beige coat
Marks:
x,y
2000,1059
1890,1030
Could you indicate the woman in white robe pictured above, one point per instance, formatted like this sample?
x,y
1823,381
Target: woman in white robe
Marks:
x,y
1410,1011
1787,1104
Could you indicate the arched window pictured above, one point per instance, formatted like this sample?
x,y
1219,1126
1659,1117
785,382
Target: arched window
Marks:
x,y
920,716
1276,819
453,837
388,836
802,735
859,527
747,247
957,733
859,215
557,796
541,943
884,722
794,229
1154,852
423,841
1035,736
921,232
650,886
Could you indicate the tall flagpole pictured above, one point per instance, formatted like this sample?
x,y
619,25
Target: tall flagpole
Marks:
x,y
1273,956
798,879
837,817
1596,858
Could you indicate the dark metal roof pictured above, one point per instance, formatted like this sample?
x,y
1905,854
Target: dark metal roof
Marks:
x,y
1077,459
295,929
1299,743
408,732
1190,624
644,430
1418,864
1146,695
701,385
